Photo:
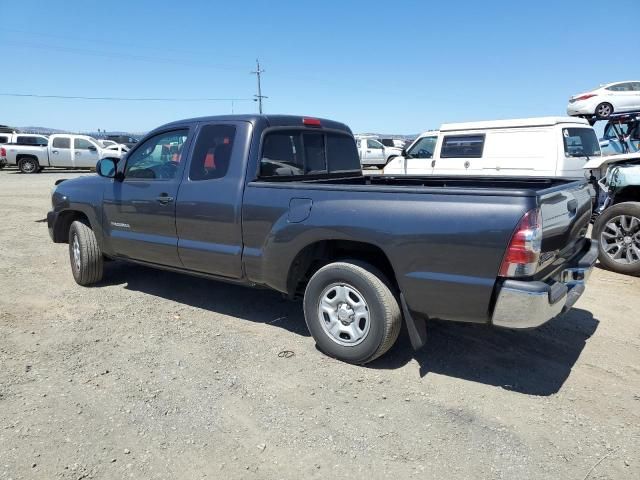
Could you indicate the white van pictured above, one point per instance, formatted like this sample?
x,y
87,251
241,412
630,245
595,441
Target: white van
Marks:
x,y
537,147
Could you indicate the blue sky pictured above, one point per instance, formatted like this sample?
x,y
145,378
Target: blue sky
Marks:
x,y
394,67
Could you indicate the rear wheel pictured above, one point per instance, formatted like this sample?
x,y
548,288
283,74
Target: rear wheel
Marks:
x,y
604,110
351,311
28,165
84,254
617,230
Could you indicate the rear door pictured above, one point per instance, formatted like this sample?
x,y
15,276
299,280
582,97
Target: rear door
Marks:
x,y
374,152
139,212
209,204
60,152
85,153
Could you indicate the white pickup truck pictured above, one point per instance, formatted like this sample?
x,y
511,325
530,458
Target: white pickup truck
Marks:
x,y
373,153
61,151
528,147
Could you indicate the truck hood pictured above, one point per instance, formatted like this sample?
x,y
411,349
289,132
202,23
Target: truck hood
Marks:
x,y
598,162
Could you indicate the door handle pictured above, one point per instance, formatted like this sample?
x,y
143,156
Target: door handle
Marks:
x,y
164,199
54,151
78,153
433,163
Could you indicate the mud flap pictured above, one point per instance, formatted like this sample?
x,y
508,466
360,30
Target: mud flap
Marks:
x,y
417,327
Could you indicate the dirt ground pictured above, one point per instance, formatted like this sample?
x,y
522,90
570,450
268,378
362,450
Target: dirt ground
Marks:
x,y
159,375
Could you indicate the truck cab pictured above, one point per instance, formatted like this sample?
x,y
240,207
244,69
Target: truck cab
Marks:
x,y
373,152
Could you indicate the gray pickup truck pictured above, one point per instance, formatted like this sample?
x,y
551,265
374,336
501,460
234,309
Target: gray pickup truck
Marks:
x,y
281,202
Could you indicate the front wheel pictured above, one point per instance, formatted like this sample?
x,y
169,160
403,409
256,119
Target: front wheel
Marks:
x,y
351,311
29,165
617,230
84,254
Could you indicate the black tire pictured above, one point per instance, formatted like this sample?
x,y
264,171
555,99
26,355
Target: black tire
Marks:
x,y
384,315
29,165
603,110
604,231
88,266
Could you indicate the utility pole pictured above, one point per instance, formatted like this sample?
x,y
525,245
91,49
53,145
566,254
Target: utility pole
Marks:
x,y
258,98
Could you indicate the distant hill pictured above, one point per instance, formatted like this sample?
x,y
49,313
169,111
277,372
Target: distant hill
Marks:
x,y
51,131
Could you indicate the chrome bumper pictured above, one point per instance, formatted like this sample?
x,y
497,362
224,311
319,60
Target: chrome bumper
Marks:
x,y
522,304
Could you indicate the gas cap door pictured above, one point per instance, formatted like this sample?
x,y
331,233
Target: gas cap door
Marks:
x,y
299,209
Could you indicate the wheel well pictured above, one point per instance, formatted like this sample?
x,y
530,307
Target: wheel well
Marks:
x,y
63,223
313,257
627,194
21,156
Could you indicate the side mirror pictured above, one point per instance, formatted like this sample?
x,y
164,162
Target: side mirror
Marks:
x,y
106,167
92,148
404,152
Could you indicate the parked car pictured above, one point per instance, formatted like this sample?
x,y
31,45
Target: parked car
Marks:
x,y
118,148
280,202
373,153
107,143
3,157
538,147
23,139
62,151
123,140
393,142
601,102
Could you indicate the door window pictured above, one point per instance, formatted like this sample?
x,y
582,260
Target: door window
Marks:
x,y
580,142
82,144
374,144
158,157
423,148
212,153
621,87
462,146
4,139
62,142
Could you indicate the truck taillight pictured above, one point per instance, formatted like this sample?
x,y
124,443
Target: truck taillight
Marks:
x,y
522,255
3,152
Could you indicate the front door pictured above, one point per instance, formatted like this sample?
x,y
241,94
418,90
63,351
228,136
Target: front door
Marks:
x,y
60,152
208,213
139,211
85,153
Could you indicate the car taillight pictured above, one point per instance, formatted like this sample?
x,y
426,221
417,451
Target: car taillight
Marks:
x,y
587,96
522,255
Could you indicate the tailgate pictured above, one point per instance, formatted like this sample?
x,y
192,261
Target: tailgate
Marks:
x,y
566,212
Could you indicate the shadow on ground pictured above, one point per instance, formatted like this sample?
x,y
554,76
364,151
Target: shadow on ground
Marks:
x,y
534,362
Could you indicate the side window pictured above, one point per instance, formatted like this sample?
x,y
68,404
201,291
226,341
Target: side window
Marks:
x,y
42,141
82,144
158,157
61,142
424,148
4,139
580,142
620,87
212,153
462,146
374,144
282,155
635,86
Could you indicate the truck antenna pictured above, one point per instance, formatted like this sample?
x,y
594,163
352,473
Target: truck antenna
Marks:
x,y
258,98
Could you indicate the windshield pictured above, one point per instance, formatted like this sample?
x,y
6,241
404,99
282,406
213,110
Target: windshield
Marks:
x,y
580,142
423,148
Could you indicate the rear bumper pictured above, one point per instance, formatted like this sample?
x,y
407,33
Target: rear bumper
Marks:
x,y
529,304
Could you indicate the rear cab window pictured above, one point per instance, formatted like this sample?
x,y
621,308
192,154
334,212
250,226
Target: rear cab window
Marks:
x,y
580,142
298,152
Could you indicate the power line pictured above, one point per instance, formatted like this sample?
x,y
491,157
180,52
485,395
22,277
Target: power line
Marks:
x,y
127,99
258,98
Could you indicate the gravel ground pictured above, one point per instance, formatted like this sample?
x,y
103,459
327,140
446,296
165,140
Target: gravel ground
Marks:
x,y
159,375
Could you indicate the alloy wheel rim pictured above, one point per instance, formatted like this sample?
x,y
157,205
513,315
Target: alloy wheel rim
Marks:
x,y
344,314
76,252
620,239
604,110
28,166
